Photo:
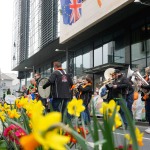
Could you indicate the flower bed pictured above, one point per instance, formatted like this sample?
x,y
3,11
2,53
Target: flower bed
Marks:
x,y
25,126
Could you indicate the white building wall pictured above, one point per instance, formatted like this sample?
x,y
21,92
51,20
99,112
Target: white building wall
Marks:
x,y
91,15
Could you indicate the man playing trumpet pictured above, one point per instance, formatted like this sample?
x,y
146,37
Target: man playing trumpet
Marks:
x,y
118,89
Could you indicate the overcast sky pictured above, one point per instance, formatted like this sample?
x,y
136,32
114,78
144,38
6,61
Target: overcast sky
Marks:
x,y
6,17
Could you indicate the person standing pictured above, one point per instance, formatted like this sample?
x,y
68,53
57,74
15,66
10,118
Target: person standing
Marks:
x,y
8,92
85,90
61,84
32,89
130,96
37,77
24,91
146,97
119,89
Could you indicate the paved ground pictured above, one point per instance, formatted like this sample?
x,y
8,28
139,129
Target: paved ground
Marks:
x,y
119,135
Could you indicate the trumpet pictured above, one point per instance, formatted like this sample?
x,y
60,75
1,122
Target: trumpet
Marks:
x,y
108,81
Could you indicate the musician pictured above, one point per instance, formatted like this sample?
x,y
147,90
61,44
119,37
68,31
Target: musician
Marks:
x,y
61,84
85,91
118,89
146,97
32,89
24,91
37,77
130,93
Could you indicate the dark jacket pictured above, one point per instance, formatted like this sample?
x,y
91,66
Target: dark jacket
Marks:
x,y
61,84
86,93
122,88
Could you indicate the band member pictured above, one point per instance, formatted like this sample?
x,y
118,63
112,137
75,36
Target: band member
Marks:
x,y
118,89
37,77
146,97
130,96
32,89
24,91
61,84
85,91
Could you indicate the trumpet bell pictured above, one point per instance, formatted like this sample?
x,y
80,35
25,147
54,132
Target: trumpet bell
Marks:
x,y
130,72
108,73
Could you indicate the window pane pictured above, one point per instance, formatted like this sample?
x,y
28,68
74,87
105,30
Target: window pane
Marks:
x,y
79,65
86,60
138,51
140,65
64,65
108,53
98,56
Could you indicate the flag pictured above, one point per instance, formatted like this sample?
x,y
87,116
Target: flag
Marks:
x,y
99,2
71,10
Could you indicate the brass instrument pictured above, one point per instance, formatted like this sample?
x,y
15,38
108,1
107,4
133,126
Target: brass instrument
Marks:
x,y
108,75
136,75
108,81
137,79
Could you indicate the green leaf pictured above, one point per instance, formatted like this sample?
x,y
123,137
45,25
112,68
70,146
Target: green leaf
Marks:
x,y
131,125
81,141
3,145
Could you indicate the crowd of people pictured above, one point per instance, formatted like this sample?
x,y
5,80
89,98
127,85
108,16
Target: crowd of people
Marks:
x,y
62,90
120,88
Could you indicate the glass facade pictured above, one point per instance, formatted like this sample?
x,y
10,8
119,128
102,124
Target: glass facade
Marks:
x,y
127,42
35,25
20,31
43,24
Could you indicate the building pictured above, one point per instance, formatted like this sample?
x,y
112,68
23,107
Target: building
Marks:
x,y
8,81
116,35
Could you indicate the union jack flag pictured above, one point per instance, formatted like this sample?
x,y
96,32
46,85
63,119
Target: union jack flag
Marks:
x,y
71,10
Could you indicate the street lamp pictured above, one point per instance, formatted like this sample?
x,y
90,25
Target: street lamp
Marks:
x,y
146,2
60,50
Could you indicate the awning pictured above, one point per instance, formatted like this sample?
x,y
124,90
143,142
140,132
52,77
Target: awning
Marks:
x,y
102,68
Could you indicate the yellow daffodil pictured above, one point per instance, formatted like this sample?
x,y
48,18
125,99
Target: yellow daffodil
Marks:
x,y
13,114
2,116
41,134
109,107
30,105
139,137
75,107
117,121
21,102
5,107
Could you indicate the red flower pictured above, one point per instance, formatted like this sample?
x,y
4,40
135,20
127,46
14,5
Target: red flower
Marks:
x,y
14,133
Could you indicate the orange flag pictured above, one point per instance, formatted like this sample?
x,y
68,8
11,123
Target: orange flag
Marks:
x,y
99,3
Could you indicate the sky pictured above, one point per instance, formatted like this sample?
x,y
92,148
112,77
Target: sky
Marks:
x,y
6,22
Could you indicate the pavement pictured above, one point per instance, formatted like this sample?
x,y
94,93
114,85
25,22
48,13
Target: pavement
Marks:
x,y
137,122
119,135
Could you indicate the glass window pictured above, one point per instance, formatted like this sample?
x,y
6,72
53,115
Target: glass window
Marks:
x,y
139,65
86,60
108,53
79,65
119,47
98,56
64,65
138,47
148,39
138,51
